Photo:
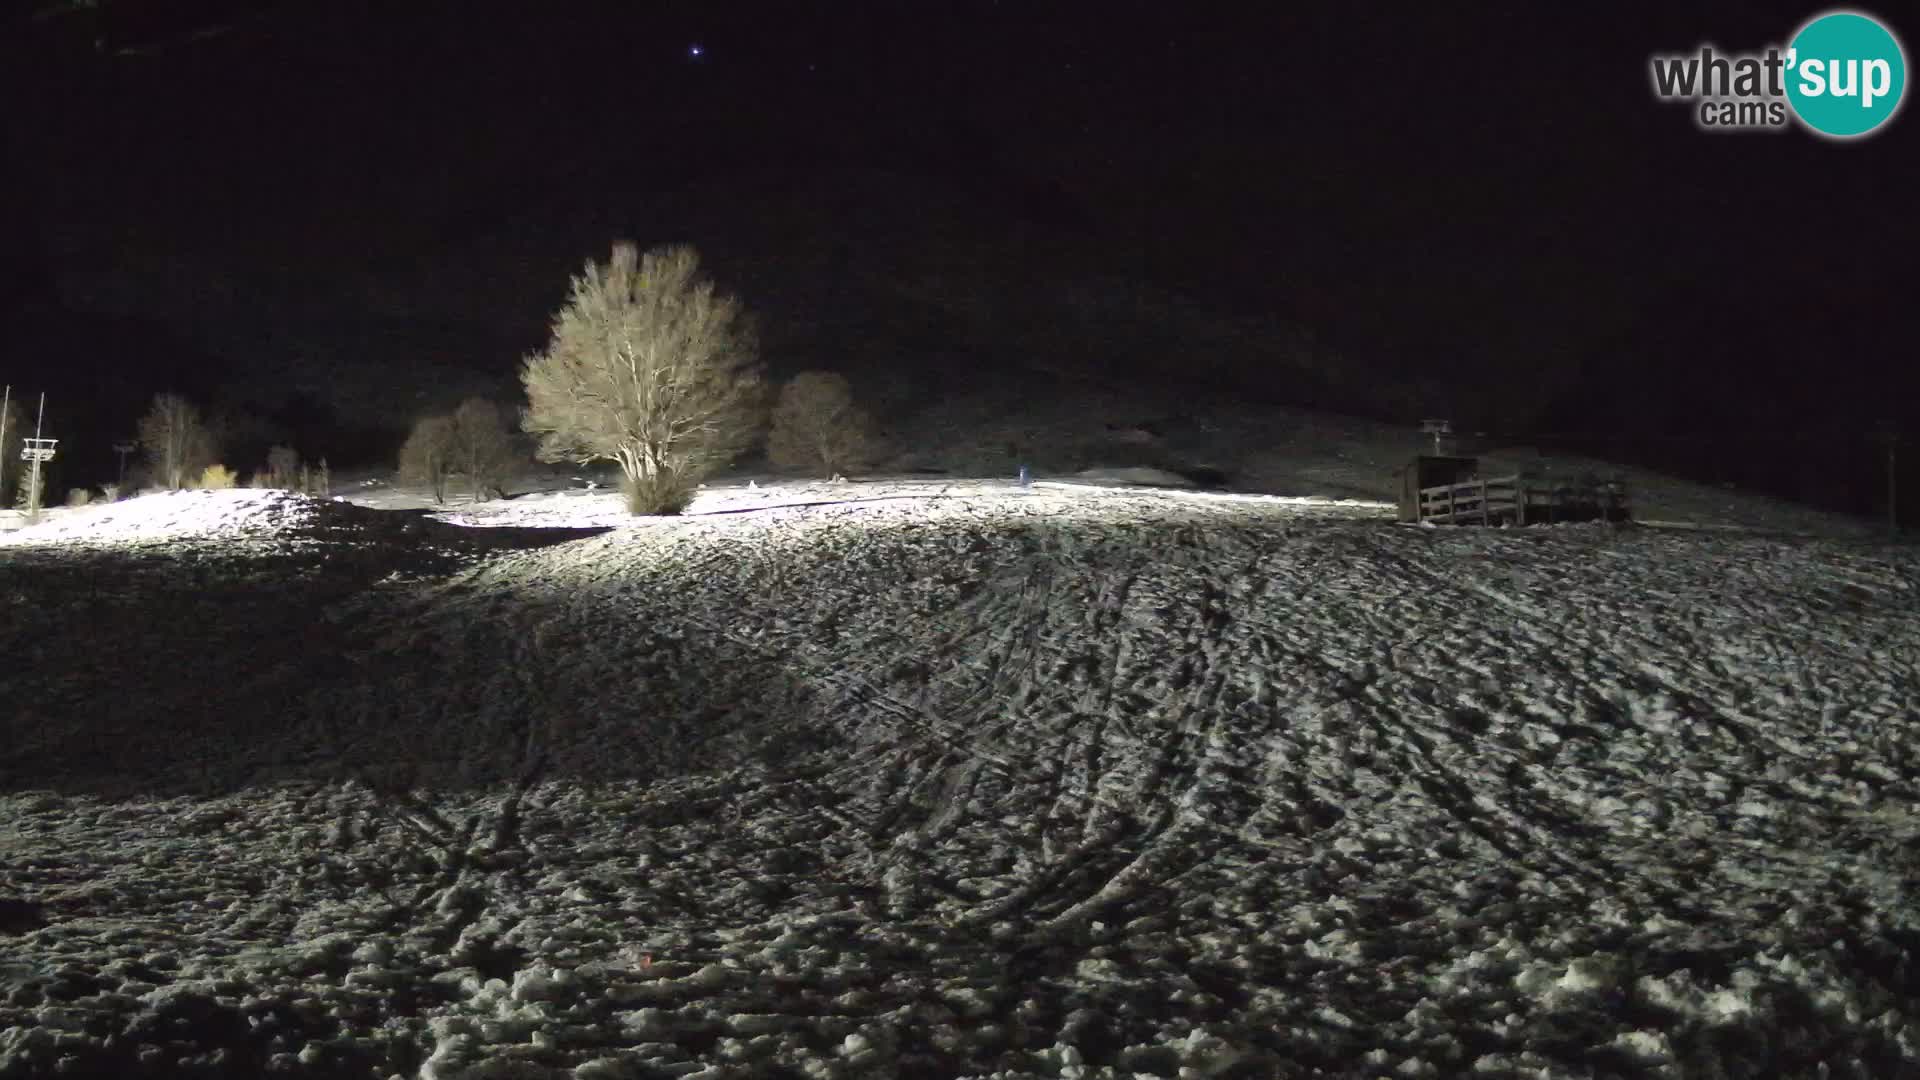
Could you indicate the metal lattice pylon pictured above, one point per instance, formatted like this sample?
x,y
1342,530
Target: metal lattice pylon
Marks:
x,y
36,450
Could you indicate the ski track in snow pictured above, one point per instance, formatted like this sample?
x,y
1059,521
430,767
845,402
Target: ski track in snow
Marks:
x,y
954,781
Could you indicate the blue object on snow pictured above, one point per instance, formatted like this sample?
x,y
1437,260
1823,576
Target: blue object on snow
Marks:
x,y
1024,479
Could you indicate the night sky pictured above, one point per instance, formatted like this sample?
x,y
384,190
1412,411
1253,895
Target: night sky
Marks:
x,y
1481,201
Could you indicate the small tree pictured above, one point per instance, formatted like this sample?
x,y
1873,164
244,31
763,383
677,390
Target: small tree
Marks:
x,y
817,425
283,467
30,488
218,478
648,367
427,455
177,442
482,445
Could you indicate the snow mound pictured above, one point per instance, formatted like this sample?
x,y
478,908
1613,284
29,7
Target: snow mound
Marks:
x,y
238,512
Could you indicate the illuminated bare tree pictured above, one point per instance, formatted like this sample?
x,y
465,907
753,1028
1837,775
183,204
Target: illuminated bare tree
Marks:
x,y
482,445
816,424
177,443
648,367
427,455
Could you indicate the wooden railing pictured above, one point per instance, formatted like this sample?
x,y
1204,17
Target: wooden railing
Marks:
x,y
1521,500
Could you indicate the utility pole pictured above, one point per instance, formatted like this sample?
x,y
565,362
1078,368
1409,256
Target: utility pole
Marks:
x,y
1891,438
6,401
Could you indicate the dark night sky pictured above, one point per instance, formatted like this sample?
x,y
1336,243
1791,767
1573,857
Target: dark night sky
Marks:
x,y
1473,192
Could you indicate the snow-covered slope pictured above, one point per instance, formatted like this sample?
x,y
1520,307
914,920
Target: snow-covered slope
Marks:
x,y
949,780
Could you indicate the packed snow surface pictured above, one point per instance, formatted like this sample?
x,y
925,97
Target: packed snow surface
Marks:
x,y
971,779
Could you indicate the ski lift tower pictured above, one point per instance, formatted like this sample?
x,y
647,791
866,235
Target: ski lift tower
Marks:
x,y
35,451
123,449
1439,429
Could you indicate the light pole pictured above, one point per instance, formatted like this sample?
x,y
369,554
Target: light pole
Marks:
x,y
1891,439
6,402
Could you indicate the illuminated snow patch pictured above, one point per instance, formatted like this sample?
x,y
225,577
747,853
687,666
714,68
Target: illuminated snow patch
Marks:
x,y
179,513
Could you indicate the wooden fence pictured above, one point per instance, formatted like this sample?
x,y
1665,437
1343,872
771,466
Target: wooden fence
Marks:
x,y
1522,500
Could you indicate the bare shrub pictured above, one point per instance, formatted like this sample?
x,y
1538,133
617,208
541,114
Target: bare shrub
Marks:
x,y
29,489
482,446
218,478
662,492
427,455
78,496
650,368
109,493
816,425
283,468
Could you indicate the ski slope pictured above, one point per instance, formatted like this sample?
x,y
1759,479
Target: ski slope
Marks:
x,y
970,779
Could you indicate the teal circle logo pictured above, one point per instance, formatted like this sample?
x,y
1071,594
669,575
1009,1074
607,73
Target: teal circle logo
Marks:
x,y
1845,74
